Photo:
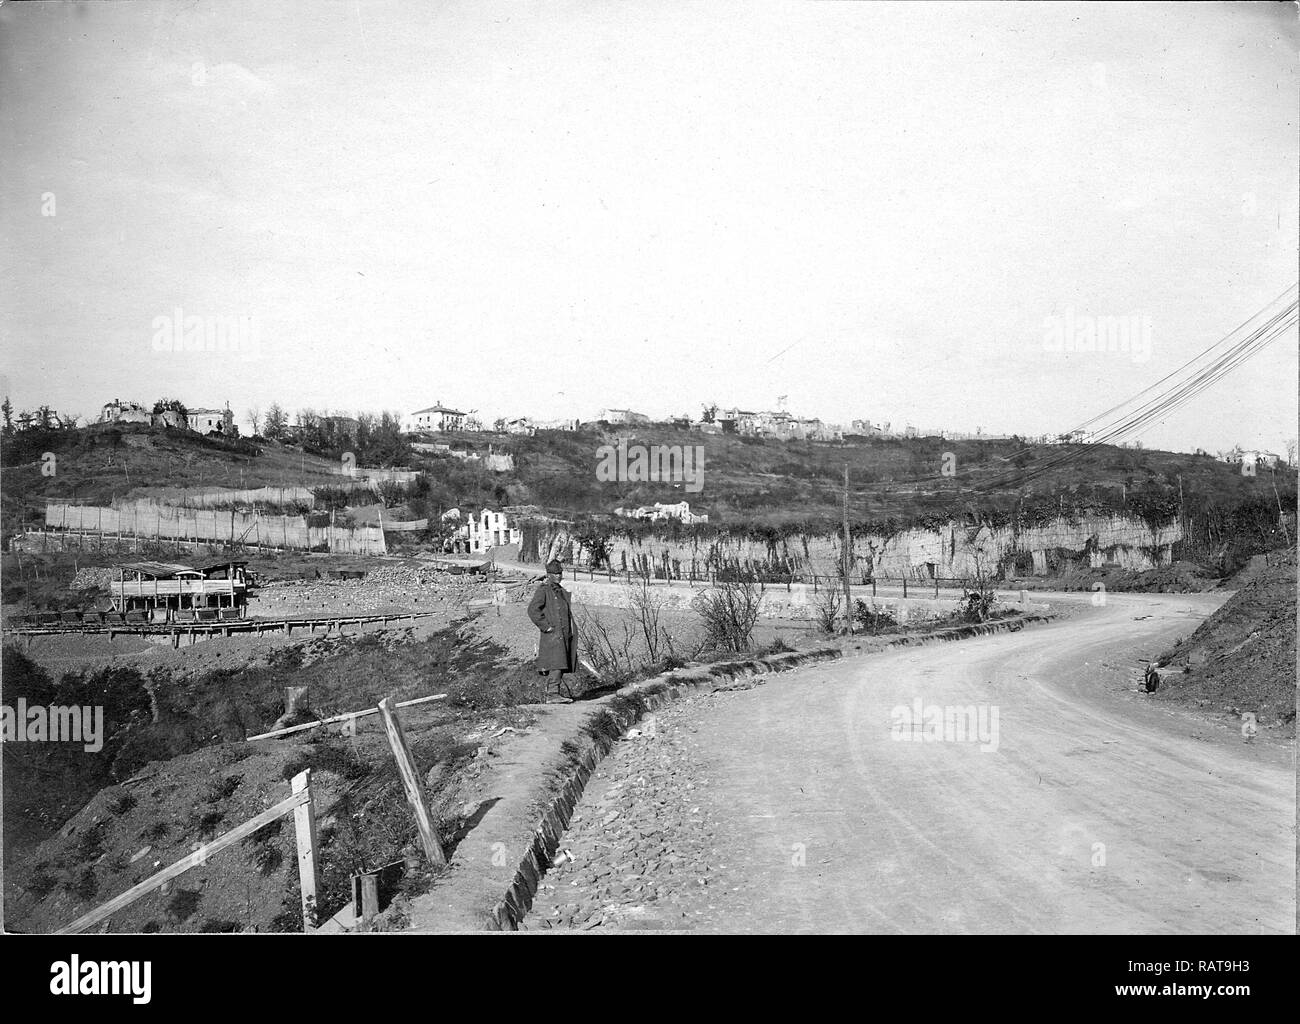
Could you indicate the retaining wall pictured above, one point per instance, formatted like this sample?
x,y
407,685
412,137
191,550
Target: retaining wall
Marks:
x,y
799,601
249,529
951,551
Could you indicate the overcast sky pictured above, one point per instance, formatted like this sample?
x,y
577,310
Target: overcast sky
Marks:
x,y
548,209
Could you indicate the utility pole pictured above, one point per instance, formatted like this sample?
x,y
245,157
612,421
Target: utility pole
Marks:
x,y
1281,516
848,595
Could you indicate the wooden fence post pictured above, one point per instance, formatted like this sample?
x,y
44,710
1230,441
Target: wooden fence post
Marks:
x,y
304,823
414,788
365,899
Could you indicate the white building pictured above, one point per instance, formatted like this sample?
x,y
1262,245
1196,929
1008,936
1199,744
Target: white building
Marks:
x,y
622,416
436,417
681,511
1256,457
204,421
118,411
489,529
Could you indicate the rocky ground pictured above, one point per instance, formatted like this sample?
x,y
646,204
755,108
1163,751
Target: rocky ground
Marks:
x,y
642,840
1243,658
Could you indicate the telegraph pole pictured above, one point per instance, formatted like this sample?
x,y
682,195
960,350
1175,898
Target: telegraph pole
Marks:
x,y
1281,516
848,595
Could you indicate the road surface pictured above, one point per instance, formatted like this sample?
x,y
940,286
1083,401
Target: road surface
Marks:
x,y
797,806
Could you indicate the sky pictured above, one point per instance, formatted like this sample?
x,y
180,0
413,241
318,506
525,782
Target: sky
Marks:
x,y
871,211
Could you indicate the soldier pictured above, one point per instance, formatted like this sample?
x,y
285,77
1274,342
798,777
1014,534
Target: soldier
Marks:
x,y
556,651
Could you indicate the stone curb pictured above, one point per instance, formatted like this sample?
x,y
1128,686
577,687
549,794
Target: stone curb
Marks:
x,y
602,728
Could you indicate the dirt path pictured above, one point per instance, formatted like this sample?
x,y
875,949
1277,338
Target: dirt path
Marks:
x,y
1098,811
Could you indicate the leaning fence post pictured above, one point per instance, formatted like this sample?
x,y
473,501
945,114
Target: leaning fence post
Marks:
x,y
304,823
411,780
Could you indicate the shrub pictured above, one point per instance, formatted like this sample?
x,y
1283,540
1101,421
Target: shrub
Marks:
x,y
183,904
730,611
327,757
86,885
156,832
42,882
207,823
122,804
220,790
872,620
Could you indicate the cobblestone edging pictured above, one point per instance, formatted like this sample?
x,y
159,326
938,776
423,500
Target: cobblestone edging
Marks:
x,y
597,736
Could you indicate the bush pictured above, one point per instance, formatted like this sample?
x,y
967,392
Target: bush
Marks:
x,y
183,904
730,612
156,832
220,790
873,620
327,757
86,886
122,804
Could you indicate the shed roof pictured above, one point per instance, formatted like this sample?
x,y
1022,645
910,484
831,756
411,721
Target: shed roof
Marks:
x,y
159,570
222,565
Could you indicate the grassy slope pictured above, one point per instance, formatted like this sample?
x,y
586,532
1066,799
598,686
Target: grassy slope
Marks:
x,y
97,464
745,479
762,481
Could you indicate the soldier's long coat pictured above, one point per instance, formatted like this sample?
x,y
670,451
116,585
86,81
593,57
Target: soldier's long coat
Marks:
x,y
549,609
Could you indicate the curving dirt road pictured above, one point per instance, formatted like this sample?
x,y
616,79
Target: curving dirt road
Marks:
x,y
1093,809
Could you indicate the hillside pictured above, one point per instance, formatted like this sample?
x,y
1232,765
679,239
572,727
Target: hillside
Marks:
x,y
769,482
1242,658
747,482
99,463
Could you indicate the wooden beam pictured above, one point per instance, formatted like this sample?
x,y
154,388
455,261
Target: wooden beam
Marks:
x,y
200,855
414,788
342,718
304,825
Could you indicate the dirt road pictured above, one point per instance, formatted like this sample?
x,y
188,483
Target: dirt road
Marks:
x,y
798,805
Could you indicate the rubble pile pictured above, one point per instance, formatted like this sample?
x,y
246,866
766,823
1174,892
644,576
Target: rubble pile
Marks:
x,y
93,578
389,588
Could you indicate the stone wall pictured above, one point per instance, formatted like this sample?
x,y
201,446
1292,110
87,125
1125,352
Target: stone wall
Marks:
x,y
953,551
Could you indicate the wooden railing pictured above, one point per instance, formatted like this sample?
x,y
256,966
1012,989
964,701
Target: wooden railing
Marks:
x,y
300,804
304,817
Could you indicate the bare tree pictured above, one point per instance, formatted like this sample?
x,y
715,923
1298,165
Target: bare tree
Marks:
x,y
730,611
826,609
647,606
979,595
254,415
608,652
